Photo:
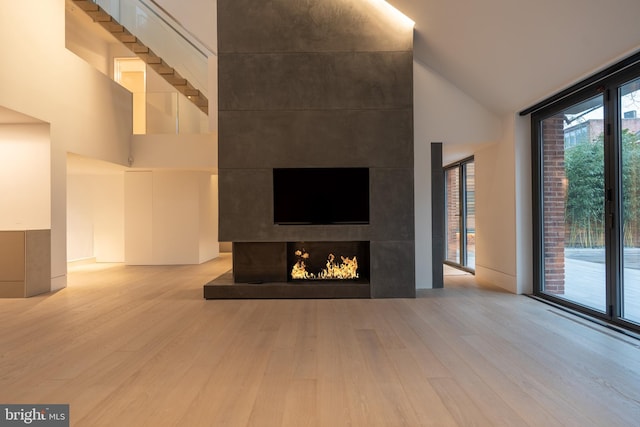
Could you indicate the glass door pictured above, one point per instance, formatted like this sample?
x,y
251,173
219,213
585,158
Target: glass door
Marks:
x,y
629,137
587,213
452,196
573,196
460,214
470,214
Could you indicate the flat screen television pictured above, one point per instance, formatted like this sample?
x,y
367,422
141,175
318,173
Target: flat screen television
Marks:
x,y
321,196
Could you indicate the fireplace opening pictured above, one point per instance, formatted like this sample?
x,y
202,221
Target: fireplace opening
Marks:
x,y
264,270
328,261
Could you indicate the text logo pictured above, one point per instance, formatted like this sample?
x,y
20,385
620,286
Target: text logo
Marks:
x,y
34,415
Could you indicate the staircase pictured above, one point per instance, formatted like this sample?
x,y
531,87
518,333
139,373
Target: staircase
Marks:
x,y
143,52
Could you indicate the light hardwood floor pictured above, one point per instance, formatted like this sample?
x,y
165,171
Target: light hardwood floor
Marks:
x,y
138,346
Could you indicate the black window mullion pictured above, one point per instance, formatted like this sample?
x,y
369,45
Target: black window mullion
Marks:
x,y
612,197
537,177
463,214
617,233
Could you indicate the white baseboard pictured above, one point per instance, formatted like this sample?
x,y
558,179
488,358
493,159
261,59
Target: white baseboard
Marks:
x,y
488,276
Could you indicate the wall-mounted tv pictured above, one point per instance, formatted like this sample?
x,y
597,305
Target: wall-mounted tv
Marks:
x,y
321,196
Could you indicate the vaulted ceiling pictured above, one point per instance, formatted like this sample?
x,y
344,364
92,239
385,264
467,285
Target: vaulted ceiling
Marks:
x,y
509,54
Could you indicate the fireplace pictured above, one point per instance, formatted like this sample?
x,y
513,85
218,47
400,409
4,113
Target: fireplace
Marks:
x,y
306,200
315,262
273,270
310,156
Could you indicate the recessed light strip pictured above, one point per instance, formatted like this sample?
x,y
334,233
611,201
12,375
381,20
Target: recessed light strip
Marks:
x,y
390,10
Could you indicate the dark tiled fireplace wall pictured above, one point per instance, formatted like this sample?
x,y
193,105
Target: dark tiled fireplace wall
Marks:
x,y
318,83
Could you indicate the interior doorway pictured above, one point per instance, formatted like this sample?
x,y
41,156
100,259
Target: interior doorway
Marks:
x,y
460,215
131,73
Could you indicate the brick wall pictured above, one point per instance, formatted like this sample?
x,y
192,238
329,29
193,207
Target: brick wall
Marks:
x,y
453,217
554,189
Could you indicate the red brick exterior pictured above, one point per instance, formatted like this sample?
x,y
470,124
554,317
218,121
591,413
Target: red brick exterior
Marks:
x,y
453,218
554,189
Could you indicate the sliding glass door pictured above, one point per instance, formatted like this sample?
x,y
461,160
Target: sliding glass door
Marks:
x,y
460,198
454,223
587,216
629,136
573,200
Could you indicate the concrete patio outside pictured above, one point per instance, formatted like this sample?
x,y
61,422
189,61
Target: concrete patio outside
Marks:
x,y
585,280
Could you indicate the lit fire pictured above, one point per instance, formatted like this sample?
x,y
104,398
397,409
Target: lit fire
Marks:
x,y
348,269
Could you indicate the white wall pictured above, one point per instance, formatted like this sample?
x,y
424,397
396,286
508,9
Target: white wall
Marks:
x,y
108,217
138,227
495,212
81,40
209,246
200,18
79,218
191,151
89,113
442,113
422,209
524,205
446,114
95,217
504,209
175,218
169,217
25,177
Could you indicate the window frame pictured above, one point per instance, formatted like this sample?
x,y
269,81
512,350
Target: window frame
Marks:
x,y
608,84
461,165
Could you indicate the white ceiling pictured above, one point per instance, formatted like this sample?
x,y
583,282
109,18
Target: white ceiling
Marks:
x,y
509,54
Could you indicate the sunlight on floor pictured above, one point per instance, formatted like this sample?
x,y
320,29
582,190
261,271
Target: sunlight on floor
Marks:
x,y
454,277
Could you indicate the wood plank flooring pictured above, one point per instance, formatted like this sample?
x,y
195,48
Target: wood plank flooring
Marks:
x,y
139,346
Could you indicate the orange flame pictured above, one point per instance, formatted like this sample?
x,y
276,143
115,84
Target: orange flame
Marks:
x,y
348,269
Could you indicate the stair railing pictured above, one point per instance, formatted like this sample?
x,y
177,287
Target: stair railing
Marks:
x,y
169,39
170,113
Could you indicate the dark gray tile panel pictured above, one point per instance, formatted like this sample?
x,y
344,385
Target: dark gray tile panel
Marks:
x,y
317,83
246,209
246,213
368,80
393,269
245,204
322,233
215,290
347,138
259,262
308,25
438,227
392,207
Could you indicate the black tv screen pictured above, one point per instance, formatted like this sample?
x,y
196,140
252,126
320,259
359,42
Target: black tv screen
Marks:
x,y
321,196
